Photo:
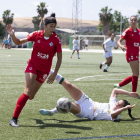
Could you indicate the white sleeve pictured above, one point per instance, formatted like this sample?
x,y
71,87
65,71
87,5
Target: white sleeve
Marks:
x,y
105,42
113,100
115,44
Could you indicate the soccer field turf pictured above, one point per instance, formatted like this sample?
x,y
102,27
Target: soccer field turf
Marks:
x,y
85,74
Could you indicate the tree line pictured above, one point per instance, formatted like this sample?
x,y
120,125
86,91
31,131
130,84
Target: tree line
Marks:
x,y
108,21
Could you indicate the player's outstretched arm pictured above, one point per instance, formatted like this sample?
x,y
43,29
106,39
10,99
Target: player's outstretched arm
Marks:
x,y
17,41
116,91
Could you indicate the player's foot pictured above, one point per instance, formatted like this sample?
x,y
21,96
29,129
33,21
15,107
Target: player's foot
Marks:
x,y
100,65
105,70
13,122
78,57
116,86
70,57
46,112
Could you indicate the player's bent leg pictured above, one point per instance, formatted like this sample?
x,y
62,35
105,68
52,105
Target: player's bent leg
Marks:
x,y
75,92
75,108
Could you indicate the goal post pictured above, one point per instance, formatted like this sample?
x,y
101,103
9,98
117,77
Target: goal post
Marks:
x,y
94,41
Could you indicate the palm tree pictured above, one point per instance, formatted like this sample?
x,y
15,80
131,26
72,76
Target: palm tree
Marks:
x,y
105,18
36,21
42,10
7,18
138,15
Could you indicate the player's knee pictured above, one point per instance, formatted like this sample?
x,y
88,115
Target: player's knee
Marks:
x,y
31,98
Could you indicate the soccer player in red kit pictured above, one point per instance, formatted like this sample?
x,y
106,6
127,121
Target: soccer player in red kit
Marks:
x,y
46,44
132,41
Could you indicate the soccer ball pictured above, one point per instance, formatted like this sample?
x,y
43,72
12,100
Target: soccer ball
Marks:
x,y
63,105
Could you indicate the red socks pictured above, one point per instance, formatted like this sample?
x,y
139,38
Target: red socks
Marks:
x,y
125,81
20,104
134,83
134,80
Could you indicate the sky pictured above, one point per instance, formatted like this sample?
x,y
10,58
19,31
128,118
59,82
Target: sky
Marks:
x,y
63,8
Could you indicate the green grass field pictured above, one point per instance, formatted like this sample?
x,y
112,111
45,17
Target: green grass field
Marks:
x,y
34,126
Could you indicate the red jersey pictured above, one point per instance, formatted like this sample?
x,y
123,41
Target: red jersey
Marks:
x,y
44,49
132,40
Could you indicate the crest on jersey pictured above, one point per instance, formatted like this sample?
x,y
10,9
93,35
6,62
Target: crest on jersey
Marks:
x,y
51,44
139,33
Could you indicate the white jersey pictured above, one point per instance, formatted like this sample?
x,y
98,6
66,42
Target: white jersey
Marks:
x,y
109,43
75,42
86,42
103,111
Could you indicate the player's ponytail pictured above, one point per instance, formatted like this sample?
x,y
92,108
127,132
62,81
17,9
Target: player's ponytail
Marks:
x,y
50,19
53,15
129,110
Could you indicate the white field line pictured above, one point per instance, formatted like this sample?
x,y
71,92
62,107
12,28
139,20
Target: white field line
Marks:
x,y
78,79
4,55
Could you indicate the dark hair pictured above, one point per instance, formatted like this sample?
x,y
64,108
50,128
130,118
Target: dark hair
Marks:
x,y
109,33
50,19
129,110
133,16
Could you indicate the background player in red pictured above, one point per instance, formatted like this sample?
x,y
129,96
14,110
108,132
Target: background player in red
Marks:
x,y
132,41
46,44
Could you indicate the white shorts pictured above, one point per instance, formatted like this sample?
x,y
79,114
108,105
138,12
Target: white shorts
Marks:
x,y
87,107
107,54
75,48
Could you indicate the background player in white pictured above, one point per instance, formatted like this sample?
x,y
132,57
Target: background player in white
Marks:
x,y
107,45
85,107
86,43
75,47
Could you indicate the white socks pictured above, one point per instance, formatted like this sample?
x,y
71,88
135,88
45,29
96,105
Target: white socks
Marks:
x,y
58,77
103,63
106,67
54,111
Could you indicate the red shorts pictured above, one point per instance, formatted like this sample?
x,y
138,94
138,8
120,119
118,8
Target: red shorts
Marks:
x,y
41,76
132,57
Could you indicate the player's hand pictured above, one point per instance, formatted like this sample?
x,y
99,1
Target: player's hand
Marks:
x,y
129,106
134,94
123,48
105,50
51,78
10,30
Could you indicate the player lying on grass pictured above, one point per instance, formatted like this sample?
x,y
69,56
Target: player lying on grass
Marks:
x,y
85,107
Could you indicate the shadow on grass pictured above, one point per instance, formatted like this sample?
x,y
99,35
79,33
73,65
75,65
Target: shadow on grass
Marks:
x,y
45,125
73,121
126,121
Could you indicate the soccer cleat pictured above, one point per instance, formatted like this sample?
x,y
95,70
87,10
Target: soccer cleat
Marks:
x,y
78,57
105,70
100,65
70,57
46,112
13,122
116,86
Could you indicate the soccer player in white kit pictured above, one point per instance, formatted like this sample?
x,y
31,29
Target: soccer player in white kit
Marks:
x,y
85,107
75,47
107,46
86,43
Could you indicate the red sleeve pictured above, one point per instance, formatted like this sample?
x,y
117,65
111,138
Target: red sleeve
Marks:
x,y
124,34
58,45
31,36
